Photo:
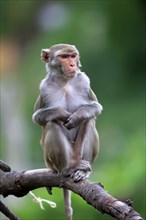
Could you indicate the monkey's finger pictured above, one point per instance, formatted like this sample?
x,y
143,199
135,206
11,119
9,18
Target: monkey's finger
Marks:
x,y
68,125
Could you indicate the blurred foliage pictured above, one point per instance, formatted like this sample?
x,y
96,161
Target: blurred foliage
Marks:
x,y
110,36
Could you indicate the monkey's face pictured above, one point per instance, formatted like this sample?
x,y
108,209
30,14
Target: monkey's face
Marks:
x,y
68,63
62,58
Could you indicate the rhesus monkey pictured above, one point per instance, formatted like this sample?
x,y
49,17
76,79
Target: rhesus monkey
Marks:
x,y
66,109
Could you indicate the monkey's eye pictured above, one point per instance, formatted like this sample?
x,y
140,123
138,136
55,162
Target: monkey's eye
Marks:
x,y
73,55
64,56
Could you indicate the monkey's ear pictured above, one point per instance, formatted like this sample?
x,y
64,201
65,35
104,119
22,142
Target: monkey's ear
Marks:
x,y
79,64
45,55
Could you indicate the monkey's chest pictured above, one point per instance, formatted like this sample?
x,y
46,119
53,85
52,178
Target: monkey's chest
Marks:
x,y
67,98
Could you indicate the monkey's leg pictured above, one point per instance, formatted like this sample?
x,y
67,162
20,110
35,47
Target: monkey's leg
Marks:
x,y
90,143
58,152
87,147
57,149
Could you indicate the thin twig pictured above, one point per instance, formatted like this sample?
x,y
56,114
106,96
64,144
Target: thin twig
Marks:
x,y
4,209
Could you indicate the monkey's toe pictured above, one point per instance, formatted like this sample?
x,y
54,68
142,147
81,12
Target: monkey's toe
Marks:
x,y
79,175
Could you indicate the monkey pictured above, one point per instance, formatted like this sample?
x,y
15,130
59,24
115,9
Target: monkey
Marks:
x,y
67,109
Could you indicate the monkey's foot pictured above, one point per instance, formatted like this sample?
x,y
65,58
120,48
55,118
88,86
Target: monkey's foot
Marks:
x,y
83,165
80,175
79,171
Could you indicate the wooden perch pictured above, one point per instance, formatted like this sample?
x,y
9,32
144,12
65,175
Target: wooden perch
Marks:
x,y
20,183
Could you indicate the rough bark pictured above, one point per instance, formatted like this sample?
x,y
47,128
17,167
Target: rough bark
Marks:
x,y
20,183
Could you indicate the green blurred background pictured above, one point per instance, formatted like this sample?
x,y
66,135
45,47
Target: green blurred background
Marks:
x,y
110,36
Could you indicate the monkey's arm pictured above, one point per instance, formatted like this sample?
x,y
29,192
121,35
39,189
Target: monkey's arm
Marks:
x,y
42,115
85,112
93,109
39,103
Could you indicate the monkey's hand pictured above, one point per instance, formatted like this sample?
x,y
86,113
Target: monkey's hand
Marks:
x,y
74,120
42,116
84,112
62,115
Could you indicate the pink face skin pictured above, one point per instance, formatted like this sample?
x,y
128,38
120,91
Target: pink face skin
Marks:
x,y
69,64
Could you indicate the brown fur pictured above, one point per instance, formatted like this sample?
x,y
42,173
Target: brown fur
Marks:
x,y
67,110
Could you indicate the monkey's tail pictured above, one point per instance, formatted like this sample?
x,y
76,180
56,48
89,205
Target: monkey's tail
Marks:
x,y
67,204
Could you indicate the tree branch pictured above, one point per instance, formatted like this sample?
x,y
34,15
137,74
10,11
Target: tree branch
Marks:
x,y
20,183
4,209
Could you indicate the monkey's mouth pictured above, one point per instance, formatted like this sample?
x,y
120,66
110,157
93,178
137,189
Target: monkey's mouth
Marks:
x,y
70,74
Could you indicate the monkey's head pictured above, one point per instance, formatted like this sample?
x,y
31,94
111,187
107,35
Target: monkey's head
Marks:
x,y
62,57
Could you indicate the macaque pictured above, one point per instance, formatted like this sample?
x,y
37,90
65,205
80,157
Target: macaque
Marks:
x,y
66,109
